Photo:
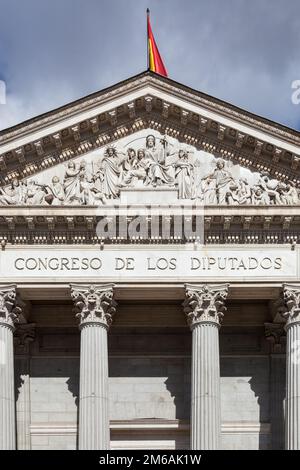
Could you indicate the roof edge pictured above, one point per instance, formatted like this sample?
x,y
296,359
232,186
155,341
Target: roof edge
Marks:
x,y
293,132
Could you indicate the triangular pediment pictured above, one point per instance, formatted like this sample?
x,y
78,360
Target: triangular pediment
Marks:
x,y
203,139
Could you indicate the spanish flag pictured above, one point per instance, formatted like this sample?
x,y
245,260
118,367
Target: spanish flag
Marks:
x,y
155,63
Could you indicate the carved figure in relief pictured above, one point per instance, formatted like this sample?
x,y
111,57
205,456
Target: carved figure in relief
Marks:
x,y
89,193
72,183
14,195
129,162
35,193
244,191
112,172
259,197
208,192
239,192
223,179
270,189
55,192
184,175
233,196
98,178
289,194
159,172
139,169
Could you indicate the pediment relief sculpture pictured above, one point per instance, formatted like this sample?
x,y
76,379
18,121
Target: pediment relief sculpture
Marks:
x,y
150,160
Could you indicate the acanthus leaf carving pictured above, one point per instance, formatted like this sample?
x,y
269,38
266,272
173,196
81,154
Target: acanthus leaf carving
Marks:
x,y
10,309
94,304
205,303
291,296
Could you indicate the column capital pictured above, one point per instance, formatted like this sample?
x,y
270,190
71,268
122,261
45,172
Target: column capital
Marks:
x,y
10,309
291,297
94,304
205,303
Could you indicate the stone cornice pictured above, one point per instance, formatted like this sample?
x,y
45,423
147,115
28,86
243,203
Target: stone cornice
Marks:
x,y
77,225
55,149
228,109
72,108
181,90
150,112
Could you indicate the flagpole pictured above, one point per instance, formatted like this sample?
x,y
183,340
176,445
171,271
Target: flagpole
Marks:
x,y
148,65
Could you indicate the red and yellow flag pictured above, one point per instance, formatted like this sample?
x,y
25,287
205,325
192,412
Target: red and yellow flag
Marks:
x,y
155,61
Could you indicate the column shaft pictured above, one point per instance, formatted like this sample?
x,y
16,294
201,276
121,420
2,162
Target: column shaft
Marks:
x,y
205,415
204,307
292,429
93,401
275,334
291,313
7,392
23,417
95,308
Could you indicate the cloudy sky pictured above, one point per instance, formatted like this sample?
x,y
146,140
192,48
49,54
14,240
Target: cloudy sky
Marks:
x,y
55,51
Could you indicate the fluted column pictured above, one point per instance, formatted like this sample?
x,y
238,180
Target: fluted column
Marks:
x,y
24,335
204,309
95,307
9,313
291,295
276,336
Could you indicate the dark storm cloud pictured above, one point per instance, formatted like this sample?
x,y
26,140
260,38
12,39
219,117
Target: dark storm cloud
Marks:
x,y
54,51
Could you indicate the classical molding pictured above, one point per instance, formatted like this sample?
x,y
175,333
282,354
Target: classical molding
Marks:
x,y
291,295
10,309
94,304
205,303
160,83
77,225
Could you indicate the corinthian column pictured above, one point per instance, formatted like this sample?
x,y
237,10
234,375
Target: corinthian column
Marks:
x,y
95,307
9,313
291,295
204,307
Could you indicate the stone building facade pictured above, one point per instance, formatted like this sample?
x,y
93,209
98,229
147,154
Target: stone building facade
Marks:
x,y
150,278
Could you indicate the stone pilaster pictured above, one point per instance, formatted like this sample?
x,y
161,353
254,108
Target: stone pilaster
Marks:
x,y
204,308
24,335
276,336
291,295
95,308
9,314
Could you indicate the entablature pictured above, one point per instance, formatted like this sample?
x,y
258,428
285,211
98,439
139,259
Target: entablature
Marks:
x,y
211,225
